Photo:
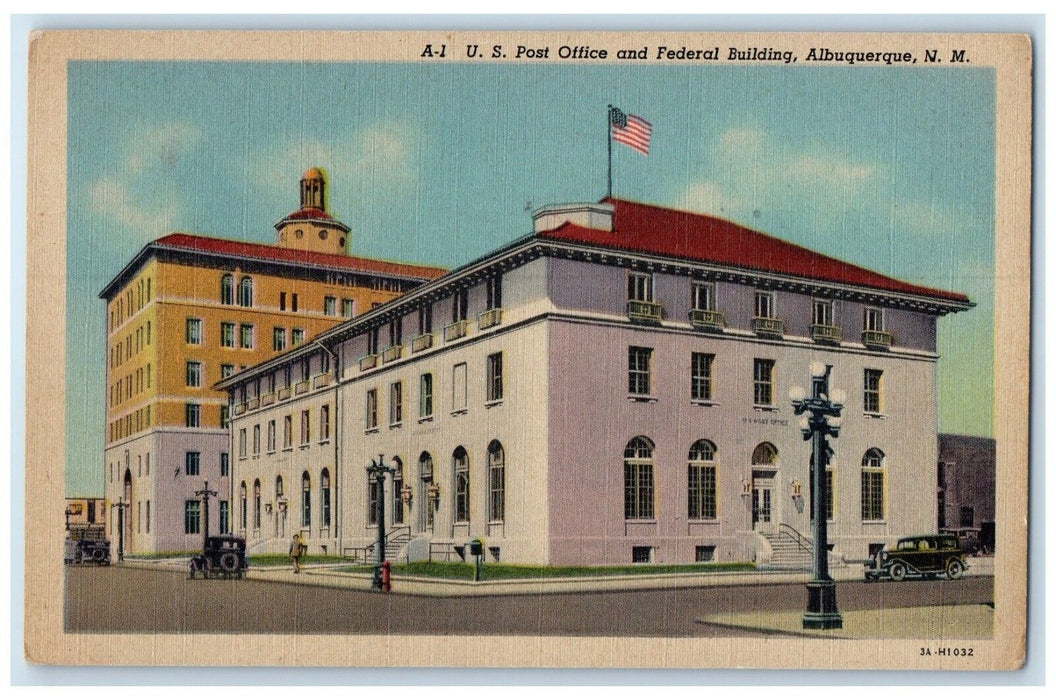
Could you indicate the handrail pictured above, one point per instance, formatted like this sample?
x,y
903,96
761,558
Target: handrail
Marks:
x,y
802,541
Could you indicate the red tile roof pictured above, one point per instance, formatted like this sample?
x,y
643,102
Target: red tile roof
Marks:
x,y
260,251
656,230
309,213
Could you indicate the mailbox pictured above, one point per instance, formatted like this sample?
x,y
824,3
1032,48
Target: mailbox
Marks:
x,y
476,548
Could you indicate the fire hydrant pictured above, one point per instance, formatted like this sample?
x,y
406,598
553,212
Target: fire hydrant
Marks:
x,y
386,576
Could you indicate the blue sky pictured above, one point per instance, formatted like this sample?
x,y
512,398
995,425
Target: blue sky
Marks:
x,y
891,168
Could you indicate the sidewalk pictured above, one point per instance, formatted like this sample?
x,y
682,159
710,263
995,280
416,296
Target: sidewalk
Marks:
x,y
327,575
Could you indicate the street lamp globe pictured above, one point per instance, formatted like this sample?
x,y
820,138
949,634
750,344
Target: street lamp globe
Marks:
x,y
818,369
839,396
797,394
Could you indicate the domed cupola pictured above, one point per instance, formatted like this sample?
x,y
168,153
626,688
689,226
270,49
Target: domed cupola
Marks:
x,y
311,227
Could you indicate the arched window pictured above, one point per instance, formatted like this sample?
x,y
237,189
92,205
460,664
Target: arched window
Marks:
x,y
256,504
227,289
324,485
873,501
429,502
306,500
278,488
703,480
638,479
245,292
460,462
764,454
496,482
397,487
242,505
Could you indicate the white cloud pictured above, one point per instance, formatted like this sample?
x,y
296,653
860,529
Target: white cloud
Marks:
x,y
113,199
161,146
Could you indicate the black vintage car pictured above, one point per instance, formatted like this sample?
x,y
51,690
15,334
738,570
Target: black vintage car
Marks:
x,y
223,556
925,556
88,552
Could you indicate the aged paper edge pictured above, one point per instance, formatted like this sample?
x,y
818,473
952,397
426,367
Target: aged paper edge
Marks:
x,y
46,641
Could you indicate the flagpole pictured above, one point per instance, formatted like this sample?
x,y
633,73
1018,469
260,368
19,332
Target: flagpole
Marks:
x,y
608,133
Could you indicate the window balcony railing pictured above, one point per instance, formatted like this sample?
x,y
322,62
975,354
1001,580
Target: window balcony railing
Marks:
x,y
768,326
456,330
826,334
393,352
284,393
491,317
422,342
240,408
252,404
708,320
300,387
368,362
321,380
876,340
267,399
644,311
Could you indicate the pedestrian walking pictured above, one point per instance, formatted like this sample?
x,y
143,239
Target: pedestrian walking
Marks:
x,y
297,550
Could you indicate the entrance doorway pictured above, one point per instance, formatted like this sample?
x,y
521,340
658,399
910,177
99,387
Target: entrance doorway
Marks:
x,y
762,505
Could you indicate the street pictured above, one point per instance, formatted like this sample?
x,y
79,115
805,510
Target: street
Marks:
x,y
126,599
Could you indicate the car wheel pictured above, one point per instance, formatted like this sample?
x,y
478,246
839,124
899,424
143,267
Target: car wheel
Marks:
x,y
229,562
954,569
897,571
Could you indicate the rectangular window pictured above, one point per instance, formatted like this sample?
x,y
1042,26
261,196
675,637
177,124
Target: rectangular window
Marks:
x,y
637,491
764,305
700,376
194,331
246,336
638,361
704,296
822,313
256,440
372,341
872,494
395,332
298,334
324,422
282,301
873,319
425,319
425,396
306,427
293,306
461,488
227,335
458,387
192,463
460,306
372,409
395,403
192,520
330,306
226,371
278,339
967,516
641,555
494,377
639,287
225,415
148,517
873,396
494,292
242,443
194,415
287,432
225,517
348,308
271,436
702,492
705,552
194,374
225,464
763,383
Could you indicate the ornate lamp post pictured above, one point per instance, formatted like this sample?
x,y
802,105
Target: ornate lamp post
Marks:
x,y
205,492
822,419
377,470
121,506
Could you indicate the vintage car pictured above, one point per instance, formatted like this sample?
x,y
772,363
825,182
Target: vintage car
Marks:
x,y
88,552
223,556
924,556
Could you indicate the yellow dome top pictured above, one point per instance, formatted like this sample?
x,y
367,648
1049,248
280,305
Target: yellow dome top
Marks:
x,y
313,174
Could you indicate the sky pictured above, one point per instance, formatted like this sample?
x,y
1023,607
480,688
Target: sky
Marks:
x,y
889,168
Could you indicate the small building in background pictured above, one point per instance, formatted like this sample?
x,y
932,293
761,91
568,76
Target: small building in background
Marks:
x,y
967,488
85,516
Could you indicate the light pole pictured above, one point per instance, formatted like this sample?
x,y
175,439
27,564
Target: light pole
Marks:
x,y
822,419
205,493
377,470
120,505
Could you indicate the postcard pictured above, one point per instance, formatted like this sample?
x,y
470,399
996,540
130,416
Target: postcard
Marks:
x,y
528,349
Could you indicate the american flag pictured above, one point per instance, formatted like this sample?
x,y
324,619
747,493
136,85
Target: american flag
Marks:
x,y
631,130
